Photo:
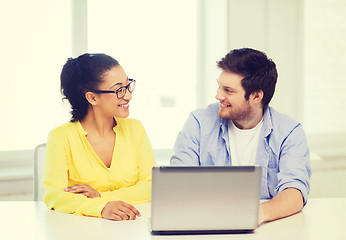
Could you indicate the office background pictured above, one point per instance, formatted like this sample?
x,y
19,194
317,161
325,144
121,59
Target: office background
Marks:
x,y
171,49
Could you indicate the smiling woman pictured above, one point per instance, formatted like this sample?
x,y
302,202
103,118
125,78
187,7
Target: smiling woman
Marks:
x,y
122,90
100,162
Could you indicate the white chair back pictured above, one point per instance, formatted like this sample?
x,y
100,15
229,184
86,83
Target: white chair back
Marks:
x,y
39,161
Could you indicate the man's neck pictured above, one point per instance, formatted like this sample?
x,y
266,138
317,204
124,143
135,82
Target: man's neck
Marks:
x,y
251,122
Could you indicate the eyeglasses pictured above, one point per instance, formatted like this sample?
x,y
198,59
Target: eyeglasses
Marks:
x,y
121,92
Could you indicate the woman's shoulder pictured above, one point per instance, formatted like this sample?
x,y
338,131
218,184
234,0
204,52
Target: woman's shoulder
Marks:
x,y
128,122
129,125
66,128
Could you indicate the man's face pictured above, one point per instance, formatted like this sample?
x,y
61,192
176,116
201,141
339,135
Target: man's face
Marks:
x,y
231,96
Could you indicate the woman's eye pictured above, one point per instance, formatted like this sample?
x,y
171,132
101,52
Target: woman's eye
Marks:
x,y
120,90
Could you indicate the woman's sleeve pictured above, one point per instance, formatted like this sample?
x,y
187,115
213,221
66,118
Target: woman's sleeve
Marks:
x,y
141,191
55,180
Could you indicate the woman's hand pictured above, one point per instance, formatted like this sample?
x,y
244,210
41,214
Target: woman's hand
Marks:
x,y
119,210
84,189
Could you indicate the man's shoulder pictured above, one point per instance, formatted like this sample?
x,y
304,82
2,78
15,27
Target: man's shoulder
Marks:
x,y
207,119
280,121
211,111
276,115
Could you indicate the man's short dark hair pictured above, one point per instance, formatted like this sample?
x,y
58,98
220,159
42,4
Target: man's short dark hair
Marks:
x,y
258,70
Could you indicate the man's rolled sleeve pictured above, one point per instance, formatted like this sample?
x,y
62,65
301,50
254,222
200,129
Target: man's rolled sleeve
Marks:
x,y
294,165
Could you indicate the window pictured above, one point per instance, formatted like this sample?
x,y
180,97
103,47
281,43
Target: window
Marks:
x,y
324,77
35,42
325,50
155,42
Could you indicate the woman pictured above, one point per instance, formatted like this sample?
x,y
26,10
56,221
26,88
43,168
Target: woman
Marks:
x,y
100,162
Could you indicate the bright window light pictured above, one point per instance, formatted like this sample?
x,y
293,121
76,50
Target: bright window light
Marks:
x,y
325,50
35,43
155,42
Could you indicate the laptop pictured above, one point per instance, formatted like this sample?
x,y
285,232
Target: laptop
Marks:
x,y
205,199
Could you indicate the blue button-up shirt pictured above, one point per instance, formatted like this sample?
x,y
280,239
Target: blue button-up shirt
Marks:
x,y
282,150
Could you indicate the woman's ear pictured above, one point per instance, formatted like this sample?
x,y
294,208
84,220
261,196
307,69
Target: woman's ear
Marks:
x,y
91,98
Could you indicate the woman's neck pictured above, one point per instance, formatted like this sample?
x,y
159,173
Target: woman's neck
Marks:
x,y
96,124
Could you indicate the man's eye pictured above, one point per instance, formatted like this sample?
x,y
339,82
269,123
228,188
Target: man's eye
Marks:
x,y
226,90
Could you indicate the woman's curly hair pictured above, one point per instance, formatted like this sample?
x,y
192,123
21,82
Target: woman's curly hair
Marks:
x,y
80,75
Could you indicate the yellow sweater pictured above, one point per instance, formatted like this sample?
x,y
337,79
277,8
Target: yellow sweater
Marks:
x,y
70,160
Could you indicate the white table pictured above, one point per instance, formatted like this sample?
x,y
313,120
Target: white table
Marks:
x,y
321,219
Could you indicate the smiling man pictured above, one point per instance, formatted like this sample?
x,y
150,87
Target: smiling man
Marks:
x,y
241,129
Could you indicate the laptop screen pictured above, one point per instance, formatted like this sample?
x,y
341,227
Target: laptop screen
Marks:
x,y
205,198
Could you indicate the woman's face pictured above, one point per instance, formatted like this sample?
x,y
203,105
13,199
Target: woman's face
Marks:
x,y
109,103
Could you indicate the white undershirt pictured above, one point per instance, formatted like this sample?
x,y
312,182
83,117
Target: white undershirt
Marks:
x,y
243,144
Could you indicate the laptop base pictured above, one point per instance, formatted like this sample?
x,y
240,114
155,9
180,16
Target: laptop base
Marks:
x,y
203,232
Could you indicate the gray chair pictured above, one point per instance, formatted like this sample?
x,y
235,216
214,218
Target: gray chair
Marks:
x,y
39,161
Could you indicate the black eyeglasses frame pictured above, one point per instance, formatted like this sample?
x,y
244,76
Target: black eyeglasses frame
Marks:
x,y
131,81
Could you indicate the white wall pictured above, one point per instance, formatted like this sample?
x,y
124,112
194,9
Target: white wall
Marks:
x,y
272,26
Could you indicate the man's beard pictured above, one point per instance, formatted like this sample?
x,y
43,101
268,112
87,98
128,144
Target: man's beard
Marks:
x,y
244,112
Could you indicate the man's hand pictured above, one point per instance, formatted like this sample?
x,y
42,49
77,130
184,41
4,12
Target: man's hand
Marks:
x,y
84,189
119,210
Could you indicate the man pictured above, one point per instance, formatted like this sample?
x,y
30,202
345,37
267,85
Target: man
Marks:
x,y
241,129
